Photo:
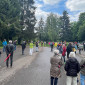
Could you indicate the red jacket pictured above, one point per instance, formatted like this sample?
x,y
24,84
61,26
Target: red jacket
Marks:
x,y
64,51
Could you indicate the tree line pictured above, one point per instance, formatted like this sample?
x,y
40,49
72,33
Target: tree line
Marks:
x,y
17,21
60,28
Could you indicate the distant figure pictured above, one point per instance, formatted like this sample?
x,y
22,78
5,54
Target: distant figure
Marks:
x,y
31,48
4,44
84,46
55,71
0,53
9,50
64,52
42,43
23,47
15,44
82,72
69,49
80,48
60,49
56,44
51,45
74,48
37,47
72,68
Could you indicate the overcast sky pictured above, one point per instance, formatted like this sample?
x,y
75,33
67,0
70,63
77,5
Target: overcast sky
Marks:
x,y
73,7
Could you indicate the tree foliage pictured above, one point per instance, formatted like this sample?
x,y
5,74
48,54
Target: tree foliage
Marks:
x,y
52,27
9,16
65,27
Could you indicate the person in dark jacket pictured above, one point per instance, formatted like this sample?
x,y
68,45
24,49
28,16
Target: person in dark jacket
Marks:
x,y
37,47
9,50
51,45
72,67
23,47
69,49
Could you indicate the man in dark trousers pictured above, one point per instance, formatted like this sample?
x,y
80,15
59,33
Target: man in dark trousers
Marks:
x,y
51,45
9,50
23,47
69,49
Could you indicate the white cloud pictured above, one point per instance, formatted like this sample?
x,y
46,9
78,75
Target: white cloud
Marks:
x,y
76,5
74,17
40,13
51,2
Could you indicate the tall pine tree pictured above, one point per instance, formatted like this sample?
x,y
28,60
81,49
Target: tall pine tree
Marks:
x,y
28,18
40,29
65,27
9,16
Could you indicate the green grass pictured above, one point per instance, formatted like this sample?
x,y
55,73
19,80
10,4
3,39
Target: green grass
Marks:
x,y
1,47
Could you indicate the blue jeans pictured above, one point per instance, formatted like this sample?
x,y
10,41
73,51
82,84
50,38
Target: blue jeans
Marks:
x,y
82,78
54,81
4,47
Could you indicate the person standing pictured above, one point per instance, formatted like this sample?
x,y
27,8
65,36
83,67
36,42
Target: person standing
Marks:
x,y
15,44
37,46
82,72
80,48
0,53
72,68
64,52
56,44
60,49
84,46
51,45
23,47
31,47
4,45
55,71
9,51
69,49
41,43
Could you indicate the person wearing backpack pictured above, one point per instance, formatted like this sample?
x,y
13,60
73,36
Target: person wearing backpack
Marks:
x,y
82,71
9,51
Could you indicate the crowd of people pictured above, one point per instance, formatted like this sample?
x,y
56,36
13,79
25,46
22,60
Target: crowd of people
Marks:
x,y
10,47
71,65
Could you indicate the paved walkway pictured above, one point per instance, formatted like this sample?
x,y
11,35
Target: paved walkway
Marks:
x,y
7,73
82,53
17,55
38,72
25,73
